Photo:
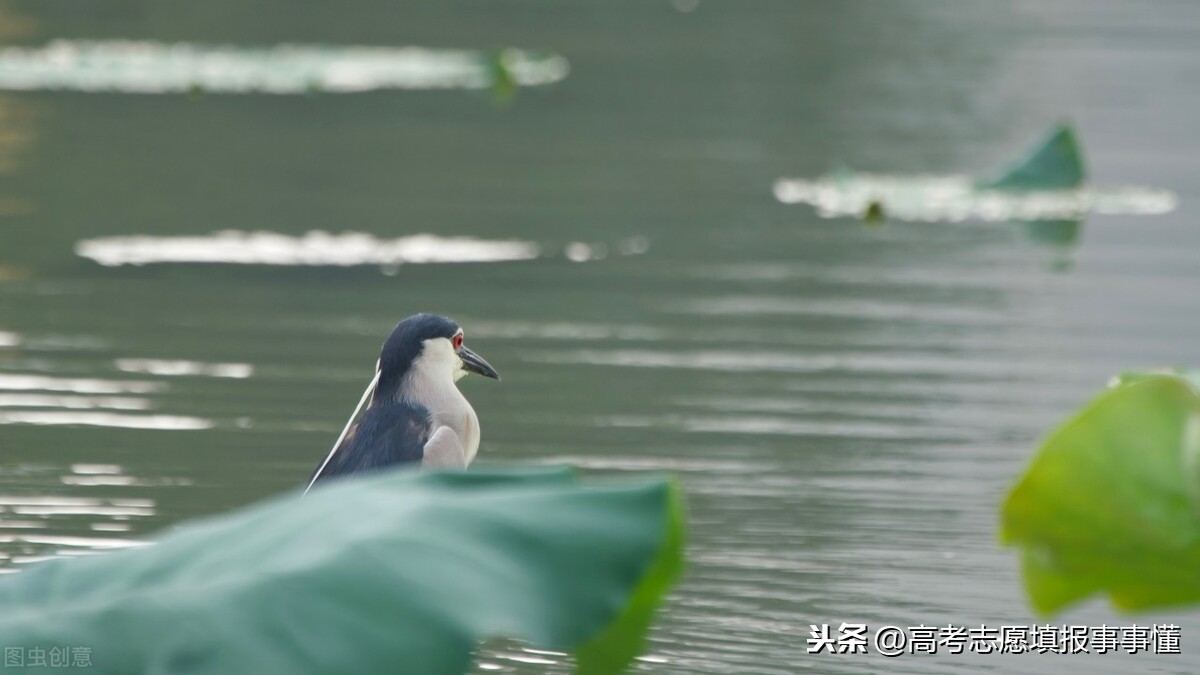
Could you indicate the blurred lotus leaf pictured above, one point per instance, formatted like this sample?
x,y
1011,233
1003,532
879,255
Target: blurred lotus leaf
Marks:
x,y
875,215
1055,163
1111,502
500,65
397,572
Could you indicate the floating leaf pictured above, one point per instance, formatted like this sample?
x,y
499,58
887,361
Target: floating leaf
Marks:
x,y
1055,163
397,572
875,215
504,80
1111,502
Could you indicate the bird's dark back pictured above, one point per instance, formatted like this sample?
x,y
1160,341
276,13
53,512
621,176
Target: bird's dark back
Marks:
x,y
387,434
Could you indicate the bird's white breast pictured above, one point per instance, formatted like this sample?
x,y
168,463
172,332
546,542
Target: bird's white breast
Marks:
x,y
430,383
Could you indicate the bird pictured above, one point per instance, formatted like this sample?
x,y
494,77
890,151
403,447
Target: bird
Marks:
x,y
416,415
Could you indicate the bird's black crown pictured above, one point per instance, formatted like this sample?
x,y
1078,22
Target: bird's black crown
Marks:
x,y
405,344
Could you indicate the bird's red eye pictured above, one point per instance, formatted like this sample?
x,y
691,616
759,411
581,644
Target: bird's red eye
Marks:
x,y
457,341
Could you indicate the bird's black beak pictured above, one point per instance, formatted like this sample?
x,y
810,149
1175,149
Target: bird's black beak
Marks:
x,y
474,363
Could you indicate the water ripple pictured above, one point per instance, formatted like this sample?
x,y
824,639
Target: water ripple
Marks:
x,y
73,402
766,361
11,381
101,419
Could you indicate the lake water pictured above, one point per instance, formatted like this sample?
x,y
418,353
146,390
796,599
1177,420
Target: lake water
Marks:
x,y
846,406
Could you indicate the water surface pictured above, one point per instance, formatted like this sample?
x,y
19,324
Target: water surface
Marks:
x,y
846,406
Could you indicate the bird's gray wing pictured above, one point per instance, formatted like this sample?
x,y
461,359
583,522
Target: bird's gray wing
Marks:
x,y
387,434
443,450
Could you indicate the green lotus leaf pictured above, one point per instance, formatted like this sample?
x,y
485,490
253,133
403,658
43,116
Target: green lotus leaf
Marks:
x,y
1054,163
399,572
1111,502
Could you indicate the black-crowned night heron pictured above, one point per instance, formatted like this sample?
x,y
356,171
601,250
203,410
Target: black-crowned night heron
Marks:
x,y
416,413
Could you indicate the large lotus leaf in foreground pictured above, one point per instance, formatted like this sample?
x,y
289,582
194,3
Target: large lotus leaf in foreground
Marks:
x,y
401,572
1111,502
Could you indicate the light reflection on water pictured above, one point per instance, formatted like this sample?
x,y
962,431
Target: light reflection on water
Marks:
x,y
43,408
183,367
44,525
157,68
750,361
958,199
25,382
72,402
314,248
323,249
99,419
